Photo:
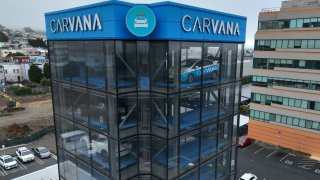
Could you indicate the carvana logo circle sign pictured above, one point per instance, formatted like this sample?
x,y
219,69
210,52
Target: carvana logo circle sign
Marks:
x,y
140,21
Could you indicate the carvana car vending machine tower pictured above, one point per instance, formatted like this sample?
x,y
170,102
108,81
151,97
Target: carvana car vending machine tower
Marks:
x,y
146,91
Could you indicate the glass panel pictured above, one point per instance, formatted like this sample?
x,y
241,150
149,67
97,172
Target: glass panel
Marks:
x,y
159,157
190,111
76,69
210,105
224,134
191,175
239,60
212,56
173,158
208,170
143,64
208,141
159,115
126,65
191,65
127,114
174,65
226,100
293,23
228,62
304,44
223,165
189,151
299,23
128,153
158,66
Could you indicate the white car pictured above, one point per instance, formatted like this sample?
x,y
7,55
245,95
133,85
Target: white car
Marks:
x,y
248,176
24,154
7,162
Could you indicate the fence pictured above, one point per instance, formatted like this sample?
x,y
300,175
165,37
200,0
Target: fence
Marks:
x,y
26,139
41,90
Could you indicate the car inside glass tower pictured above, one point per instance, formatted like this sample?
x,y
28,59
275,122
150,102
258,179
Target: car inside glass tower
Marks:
x,y
146,109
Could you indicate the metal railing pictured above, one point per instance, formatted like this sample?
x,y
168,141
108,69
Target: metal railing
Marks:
x,y
27,138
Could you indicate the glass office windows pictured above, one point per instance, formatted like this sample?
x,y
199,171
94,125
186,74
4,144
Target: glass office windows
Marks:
x,y
225,133
295,121
306,23
302,123
299,23
66,136
128,156
76,67
96,175
317,44
208,170
273,44
279,43
315,125
304,44
285,43
189,151
210,105
228,62
291,44
237,97
293,23
190,65
190,110
212,56
159,118
311,44
226,100
126,63
159,153
314,22
174,66
127,114
79,99
158,66
56,97
209,141
297,44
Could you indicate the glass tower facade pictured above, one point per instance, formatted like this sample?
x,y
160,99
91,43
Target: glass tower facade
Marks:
x,y
146,109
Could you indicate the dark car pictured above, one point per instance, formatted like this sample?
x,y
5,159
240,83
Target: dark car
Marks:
x,y
42,152
244,141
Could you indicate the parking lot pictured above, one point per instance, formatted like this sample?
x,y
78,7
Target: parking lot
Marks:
x,y
270,163
24,168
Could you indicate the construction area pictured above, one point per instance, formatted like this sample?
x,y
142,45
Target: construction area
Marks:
x,y
24,115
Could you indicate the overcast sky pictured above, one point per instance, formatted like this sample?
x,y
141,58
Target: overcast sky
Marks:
x,y
22,13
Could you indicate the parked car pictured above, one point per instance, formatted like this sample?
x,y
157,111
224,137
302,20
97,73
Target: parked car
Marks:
x,y
248,176
42,152
244,141
24,154
7,162
191,70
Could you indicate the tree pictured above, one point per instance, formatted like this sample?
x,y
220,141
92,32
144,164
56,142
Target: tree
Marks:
x,y
35,73
45,82
3,37
46,71
15,54
37,43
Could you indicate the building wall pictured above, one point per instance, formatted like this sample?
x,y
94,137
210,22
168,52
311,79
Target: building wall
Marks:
x,y
5,52
2,77
13,72
286,92
295,139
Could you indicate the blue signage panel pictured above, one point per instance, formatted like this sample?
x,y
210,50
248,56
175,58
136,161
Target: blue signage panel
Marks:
x,y
140,21
159,21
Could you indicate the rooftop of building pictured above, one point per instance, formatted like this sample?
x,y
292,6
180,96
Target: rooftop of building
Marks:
x,y
293,5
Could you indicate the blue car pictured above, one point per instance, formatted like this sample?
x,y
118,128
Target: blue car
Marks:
x,y
191,70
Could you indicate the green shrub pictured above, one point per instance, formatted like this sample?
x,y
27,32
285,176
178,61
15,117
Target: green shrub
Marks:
x,y
45,82
21,91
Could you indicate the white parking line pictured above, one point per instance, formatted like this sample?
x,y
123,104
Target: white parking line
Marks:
x,y
4,171
248,146
54,156
286,156
271,154
38,160
259,150
21,164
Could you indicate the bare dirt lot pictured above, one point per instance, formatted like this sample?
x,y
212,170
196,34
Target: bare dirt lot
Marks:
x,y
37,115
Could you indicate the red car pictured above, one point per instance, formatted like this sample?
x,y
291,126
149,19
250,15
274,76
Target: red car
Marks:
x,y
244,141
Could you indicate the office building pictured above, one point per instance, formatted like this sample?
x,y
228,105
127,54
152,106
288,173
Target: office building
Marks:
x,y
285,108
146,91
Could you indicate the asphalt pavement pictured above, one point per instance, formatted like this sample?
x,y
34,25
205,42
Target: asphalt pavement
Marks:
x,y
269,163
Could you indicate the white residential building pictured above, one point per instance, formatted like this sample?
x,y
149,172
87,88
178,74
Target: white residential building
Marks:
x,y
16,72
6,52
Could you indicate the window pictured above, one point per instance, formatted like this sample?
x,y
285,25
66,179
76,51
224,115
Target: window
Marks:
x,y
304,44
315,125
306,23
285,43
311,44
308,124
296,121
293,23
291,44
278,118
299,23
284,119
290,120
302,123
